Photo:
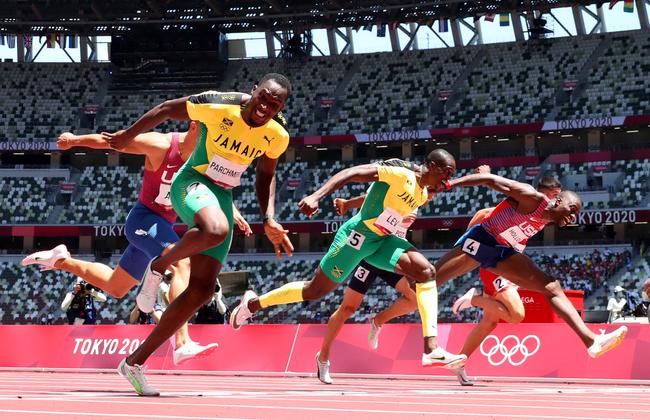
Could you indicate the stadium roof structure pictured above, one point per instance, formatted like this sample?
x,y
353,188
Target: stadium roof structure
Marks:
x,y
98,17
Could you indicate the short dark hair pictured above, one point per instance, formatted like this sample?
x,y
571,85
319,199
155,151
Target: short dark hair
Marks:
x,y
278,78
440,155
549,182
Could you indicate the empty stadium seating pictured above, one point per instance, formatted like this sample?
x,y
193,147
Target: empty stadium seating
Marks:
x,y
26,295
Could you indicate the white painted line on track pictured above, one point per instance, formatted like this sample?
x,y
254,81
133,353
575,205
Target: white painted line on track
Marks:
x,y
129,415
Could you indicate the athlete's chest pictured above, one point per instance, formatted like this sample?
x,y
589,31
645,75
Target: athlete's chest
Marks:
x,y
405,197
229,135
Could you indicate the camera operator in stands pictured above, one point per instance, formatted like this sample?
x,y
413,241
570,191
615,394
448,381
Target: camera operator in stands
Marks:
x,y
213,312
641,310
79,303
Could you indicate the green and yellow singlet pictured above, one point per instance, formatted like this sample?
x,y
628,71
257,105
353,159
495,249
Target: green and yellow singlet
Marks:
x,y
227,145
395,195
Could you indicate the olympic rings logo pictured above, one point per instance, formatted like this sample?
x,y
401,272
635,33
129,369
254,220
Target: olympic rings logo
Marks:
x,y
510,349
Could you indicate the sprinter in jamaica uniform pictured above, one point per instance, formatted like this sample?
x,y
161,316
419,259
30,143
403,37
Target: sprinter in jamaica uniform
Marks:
x,y
235,129
395,193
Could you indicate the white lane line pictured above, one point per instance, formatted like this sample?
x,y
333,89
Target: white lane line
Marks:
x,y
151,402
130,415
326,409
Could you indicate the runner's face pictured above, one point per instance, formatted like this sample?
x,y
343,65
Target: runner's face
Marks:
x,y
566,210
438,173
266,101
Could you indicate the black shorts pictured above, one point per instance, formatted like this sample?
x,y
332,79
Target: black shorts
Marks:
x,y
365,274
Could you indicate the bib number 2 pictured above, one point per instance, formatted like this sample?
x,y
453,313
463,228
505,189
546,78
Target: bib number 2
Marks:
x,y
355,240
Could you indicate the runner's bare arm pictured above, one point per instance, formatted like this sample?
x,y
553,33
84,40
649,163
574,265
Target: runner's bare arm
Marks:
x,y
240,221
361,173
142,144
525,195
265,189
173,109
342,205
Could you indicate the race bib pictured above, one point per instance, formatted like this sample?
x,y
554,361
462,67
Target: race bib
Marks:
x,y
514,236
471,246
388,221
361,274
400,232
356,239
163,197
500,284
225,173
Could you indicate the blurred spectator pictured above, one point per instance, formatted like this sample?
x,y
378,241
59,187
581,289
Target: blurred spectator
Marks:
x,y
616,304
79,304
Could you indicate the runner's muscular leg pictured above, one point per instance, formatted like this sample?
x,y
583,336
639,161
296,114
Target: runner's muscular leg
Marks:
x,y
114,282
506,304
319,286
180,279
211,229
351,302
203,278
405,304
474,339
521,270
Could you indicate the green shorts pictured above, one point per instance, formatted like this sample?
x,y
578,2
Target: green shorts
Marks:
x,y
353,243
191,192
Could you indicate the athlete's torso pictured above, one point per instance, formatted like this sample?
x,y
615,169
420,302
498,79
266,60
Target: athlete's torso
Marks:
x,y
154,193
227,145
512,228
393,197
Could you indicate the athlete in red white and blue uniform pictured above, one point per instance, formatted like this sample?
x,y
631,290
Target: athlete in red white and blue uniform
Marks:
x,y
497,242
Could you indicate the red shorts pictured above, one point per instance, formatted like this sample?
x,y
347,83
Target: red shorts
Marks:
x,y
493,284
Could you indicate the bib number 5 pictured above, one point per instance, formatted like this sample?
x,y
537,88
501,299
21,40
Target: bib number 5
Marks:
x,y
355,240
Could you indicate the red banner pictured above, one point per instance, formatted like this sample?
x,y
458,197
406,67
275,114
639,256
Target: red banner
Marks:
x,y
524,350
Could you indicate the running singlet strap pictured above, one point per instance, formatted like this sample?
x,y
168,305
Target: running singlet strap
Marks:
x,y
154,193
227,145
512,228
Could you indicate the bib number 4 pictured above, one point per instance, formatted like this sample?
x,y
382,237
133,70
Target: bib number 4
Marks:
x,y
470,246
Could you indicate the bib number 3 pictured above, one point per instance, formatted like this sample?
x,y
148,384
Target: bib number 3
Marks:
x,y
355,240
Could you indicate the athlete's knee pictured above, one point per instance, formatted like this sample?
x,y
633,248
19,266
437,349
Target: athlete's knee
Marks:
x,y
347,309
553,288
215,231
311,292
424,273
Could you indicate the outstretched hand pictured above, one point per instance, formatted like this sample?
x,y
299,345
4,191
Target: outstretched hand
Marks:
x,y
278,237
308,205
63,142
242,224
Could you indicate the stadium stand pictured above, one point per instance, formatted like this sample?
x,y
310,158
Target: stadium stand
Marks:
x,y
39,101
